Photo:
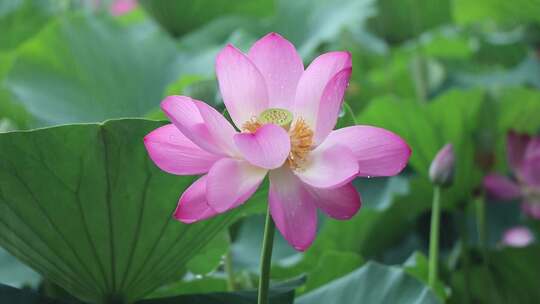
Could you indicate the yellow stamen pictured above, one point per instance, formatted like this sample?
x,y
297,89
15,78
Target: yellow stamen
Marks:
x,y
251,125
301,144
300,134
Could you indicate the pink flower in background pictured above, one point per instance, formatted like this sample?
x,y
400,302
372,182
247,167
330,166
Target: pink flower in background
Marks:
x,y
121,7
286,116
517,237
524,159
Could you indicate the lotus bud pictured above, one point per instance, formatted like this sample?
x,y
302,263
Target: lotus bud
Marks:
x,y
441,171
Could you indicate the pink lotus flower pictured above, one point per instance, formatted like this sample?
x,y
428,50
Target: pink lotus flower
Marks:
x,y
517,237
286,115
524,159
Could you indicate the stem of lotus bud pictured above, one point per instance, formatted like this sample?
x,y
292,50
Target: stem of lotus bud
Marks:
x,y
434,237
480,213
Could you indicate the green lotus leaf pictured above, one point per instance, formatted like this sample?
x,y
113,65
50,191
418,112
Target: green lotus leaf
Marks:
x,y
84,206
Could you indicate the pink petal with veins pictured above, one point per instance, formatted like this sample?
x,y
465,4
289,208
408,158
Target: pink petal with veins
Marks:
x,y
280,65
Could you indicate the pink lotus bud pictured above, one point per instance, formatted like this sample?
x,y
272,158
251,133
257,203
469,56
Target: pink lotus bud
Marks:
x,y
441,171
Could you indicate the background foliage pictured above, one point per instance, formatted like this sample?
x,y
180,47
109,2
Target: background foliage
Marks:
x,y
85,216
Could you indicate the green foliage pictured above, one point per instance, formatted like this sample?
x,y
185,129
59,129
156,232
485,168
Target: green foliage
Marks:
x,y
379,226
417,266
447,44
509,276
372,283
12,112
83,206
332,265
182,17
224,298
310,23
496,10
65,74
21,19
451,118
13,295
247,244
519,108
278,295
508,53
346,117
400,20
390,207
206,284
9,108
209,258
282,293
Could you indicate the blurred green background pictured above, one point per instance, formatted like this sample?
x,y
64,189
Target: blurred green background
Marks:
x,y
84,216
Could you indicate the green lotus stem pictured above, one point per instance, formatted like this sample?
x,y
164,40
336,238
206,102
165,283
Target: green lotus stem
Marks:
x,y
480,222
420,76
434,236
266,259
231,285
465,256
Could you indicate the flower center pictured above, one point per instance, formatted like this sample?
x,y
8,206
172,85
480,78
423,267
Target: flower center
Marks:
x,y
280,117
299,132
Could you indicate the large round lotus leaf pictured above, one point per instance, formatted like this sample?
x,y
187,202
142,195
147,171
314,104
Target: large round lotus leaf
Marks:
x,y
84,206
